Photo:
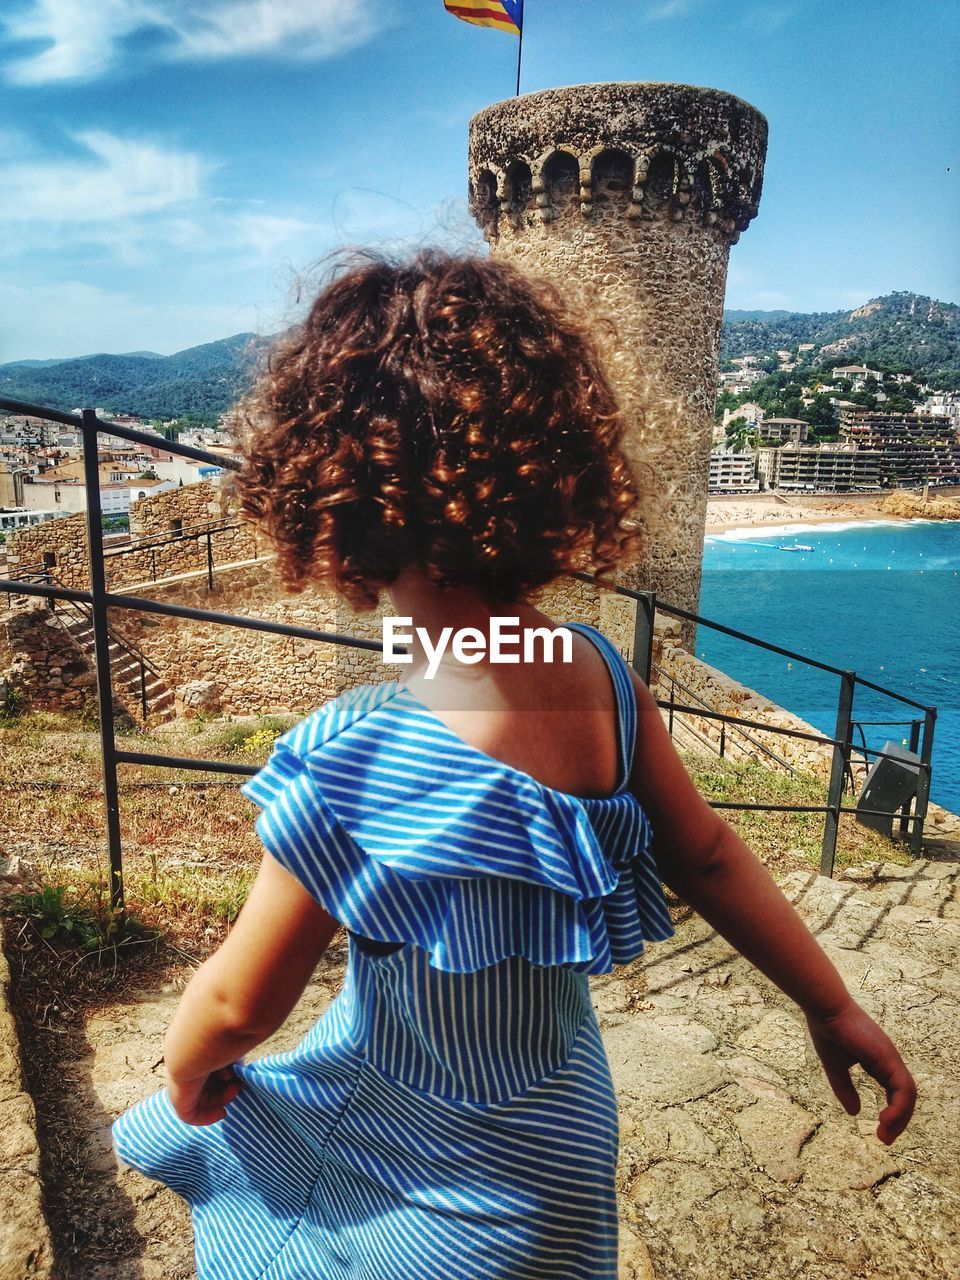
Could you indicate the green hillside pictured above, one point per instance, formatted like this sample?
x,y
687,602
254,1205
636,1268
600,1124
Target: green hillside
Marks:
x,y
200,381
900,330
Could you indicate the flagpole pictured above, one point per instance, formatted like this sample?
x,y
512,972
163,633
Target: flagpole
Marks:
x,y
520,51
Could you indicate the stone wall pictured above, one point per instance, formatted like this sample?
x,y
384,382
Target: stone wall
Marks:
x,y
152,517
44,664
183,554
252,671
628,196
191,503
25,1246
64,538
255,672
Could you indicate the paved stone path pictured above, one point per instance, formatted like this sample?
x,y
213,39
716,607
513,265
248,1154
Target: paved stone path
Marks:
x,y
736,1160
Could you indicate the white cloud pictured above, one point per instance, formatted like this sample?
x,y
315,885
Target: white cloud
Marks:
x,y
664,9
768,18
84,40
73,318
306,28
137,201
113,178
271,234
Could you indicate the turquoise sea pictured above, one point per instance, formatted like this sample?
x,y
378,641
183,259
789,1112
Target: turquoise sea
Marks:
x,y
881,598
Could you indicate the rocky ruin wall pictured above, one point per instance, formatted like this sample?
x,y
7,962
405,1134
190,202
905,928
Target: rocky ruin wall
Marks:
x,y
43,663
197,504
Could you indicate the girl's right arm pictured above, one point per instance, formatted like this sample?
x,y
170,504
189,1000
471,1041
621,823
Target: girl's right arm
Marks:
x,y
703,860
244,992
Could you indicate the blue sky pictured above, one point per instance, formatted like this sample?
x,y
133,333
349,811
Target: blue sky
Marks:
x,y
170,169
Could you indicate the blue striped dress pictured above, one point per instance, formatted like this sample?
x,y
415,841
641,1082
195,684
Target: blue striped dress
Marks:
x,y
451,1115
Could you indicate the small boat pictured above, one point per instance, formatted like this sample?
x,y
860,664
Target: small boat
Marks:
x,y
795,546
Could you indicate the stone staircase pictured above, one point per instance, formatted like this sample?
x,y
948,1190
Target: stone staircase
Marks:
x,y
137,684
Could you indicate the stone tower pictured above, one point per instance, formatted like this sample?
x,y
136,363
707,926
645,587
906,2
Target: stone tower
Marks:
x,y
631,195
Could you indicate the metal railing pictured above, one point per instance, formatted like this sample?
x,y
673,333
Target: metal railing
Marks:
x,y
127,647
841,742
648,605
84,612
735,732
205,529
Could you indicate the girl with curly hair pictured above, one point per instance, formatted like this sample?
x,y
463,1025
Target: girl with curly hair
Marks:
x,y
442,430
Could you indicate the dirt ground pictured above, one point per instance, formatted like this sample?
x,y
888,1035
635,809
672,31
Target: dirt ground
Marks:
x,y
735,1160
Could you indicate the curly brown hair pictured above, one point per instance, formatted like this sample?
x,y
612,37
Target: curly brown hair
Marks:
x,y
448,412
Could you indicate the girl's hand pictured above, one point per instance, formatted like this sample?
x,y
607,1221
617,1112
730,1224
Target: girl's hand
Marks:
x,y
851,1037
204,1101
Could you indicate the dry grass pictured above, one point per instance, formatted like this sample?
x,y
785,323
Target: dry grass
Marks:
x,y
189,848
788,841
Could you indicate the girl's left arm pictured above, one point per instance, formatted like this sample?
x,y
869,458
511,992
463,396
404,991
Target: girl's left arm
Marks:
x,y
244,992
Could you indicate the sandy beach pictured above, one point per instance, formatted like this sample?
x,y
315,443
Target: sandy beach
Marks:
x,y
756,510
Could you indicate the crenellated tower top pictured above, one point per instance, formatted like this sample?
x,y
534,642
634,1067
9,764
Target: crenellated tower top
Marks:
x,y
659,150
630,196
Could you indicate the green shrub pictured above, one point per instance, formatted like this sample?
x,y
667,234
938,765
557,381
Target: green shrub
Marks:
x,y
254,739
13,704
80,918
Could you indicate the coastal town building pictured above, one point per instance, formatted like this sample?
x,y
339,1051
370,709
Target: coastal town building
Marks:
x,y
749,412
65,497
18,429
740,380
943,404
780,430
867,425
733,472
914,448
12,518
819,468
856,374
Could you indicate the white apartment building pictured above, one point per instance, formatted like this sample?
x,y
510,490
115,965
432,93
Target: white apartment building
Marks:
x,y
20,518
732,472
66,497
777,430
22,430
819,468
943,404
857,374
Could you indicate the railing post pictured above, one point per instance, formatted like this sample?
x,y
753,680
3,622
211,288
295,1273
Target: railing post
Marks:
x,y
838,770
723,736
49,564
101,650
914,747
923,782
670,712
209,561
644,616
143,689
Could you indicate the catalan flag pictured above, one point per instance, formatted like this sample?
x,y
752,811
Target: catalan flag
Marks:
x,y
503,15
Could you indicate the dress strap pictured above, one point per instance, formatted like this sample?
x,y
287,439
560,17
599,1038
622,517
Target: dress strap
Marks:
x,y
626,702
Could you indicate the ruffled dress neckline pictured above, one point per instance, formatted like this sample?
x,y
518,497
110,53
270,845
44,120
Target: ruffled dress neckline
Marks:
x,y
406,833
